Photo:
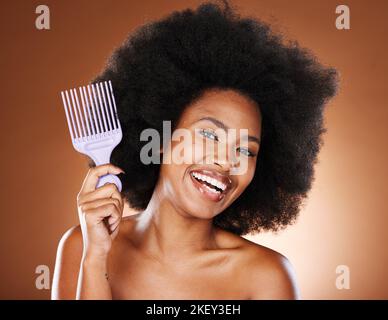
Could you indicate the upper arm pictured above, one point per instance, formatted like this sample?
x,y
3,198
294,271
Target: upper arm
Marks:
x,y
273,278
67,265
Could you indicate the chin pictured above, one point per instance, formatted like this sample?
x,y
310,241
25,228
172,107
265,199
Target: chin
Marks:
x,y
200,212
196,206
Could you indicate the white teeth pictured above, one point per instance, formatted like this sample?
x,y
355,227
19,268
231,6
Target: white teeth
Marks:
x,y
212,190
210,180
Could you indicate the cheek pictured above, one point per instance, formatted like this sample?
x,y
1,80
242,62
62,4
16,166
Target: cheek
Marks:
x,y
245,179
183,152
199,152
191,150
171,179
207,151
173,172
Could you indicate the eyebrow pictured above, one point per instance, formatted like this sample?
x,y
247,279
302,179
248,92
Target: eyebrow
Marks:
x,y
224,127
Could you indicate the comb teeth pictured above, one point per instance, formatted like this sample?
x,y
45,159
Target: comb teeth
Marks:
x,y
98,117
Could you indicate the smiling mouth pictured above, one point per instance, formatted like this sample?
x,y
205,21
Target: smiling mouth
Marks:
x,y
211,184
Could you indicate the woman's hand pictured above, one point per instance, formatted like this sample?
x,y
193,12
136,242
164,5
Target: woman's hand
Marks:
x,y
100,211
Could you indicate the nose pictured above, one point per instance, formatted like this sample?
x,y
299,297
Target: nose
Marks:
x,y
227,162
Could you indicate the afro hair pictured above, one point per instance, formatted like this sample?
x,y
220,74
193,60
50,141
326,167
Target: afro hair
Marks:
x,y
165,65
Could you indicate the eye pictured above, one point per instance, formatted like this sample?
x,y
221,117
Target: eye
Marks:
x,y
209,133
246,152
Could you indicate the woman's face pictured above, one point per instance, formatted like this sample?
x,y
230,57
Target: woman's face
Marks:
x,y
218,163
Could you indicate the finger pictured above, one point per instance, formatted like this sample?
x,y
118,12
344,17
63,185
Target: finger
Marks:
x,y
113,219
101,202
115,232
95,173
107,191
97,215
113,226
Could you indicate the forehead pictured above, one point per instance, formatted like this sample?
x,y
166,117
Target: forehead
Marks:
x,y
229,106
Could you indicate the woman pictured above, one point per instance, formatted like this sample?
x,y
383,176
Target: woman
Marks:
x,y
206,71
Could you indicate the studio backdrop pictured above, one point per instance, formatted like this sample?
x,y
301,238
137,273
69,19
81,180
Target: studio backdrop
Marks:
x,y
337,244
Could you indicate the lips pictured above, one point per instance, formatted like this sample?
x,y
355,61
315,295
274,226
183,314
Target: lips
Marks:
x,y
212,184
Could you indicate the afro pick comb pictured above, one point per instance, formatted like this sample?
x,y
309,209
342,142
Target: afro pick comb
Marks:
x,y
95,130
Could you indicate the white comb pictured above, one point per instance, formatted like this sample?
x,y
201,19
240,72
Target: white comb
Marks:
x,y
95,131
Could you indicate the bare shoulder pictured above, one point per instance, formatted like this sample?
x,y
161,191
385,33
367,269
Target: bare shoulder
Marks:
x,y
72,236
67,264
69,257
267,274
71,241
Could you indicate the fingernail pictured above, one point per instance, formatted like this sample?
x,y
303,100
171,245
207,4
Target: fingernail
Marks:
x,y
120,170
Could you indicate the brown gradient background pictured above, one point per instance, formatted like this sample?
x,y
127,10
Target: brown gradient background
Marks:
x,y
344,220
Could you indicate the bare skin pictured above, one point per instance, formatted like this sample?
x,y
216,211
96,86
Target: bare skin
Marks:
x,y
171,250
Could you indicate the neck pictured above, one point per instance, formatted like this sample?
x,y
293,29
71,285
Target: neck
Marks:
x,y
169,231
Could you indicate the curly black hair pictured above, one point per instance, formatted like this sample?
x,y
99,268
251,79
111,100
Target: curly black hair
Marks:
x,y
165,65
